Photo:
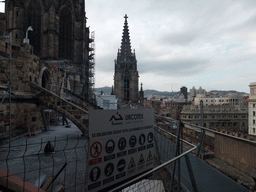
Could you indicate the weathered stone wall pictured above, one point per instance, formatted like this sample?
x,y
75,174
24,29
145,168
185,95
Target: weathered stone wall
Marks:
x,y
25,117
2,23
194,136
25,68
238,153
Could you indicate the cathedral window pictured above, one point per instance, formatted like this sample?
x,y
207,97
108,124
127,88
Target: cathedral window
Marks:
x,y
65,34
126,88
33,19
126,82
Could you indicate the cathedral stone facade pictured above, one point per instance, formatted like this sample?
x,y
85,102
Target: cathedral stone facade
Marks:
x,y
126,78
59,33
57,55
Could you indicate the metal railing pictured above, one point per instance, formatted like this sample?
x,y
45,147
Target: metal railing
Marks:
x,y
167,158
66,167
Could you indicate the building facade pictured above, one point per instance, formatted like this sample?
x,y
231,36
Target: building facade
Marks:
x,y
193,92
184,91
252,109
126,77
231,99
230,118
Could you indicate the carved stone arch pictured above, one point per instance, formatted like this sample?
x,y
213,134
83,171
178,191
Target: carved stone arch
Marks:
x,y
45,78
68,3
66,32
27,2
33,17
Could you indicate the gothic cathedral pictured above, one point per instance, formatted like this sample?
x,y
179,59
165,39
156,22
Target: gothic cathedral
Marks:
x,y
57,31
126,78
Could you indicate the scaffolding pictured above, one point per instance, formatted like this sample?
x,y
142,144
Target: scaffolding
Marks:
x,y
91,65
7,81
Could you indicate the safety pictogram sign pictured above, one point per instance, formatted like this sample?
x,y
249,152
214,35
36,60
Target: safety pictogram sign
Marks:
x,y
96,149
110,146
121,165
150,137
132,141
95,174
131,164
141,160
142,139
109,169
122,143
150,156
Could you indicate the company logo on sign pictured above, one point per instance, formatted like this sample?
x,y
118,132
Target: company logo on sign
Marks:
x,y
133,117
115,118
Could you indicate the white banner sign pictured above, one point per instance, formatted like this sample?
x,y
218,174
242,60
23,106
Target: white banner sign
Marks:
x,y
121,145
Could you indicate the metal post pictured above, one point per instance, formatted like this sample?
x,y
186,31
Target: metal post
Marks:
x,y
177,153
10,86
171,108
9,80
202,130
190,171
191,175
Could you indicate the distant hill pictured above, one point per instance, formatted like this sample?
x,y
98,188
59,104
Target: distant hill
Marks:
x,y
107,90
162,93
219,92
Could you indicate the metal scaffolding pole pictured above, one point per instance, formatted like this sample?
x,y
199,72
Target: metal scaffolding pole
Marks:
x,y
8,75
202,130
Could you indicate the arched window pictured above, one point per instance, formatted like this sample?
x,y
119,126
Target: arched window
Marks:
x,y
34,19
126,88
65,34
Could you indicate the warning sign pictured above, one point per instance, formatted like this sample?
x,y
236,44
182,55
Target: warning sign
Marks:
x,y
142,139
95,149
131,164
110,146
122,143
150,137
121,165
95,174
121,146
109,169
141,160
150,156
132,141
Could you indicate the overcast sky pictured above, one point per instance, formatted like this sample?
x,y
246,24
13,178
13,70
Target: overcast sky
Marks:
x,y
178,42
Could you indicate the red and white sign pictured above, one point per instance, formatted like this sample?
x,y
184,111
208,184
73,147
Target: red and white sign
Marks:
x,y
95,149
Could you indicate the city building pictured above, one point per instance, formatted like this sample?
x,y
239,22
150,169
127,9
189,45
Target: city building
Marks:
x,y
230,99
107,101
252,109
184,91
193,92
228,117
126,78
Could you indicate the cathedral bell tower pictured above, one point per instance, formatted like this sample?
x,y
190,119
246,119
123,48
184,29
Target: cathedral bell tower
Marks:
x,y
126,76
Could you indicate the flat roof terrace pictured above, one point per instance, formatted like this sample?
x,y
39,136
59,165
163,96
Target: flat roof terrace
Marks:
x,y
26,159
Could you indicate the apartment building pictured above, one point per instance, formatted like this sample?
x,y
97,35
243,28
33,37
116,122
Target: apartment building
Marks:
x,y
252,109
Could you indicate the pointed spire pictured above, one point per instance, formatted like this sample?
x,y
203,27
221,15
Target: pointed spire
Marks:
x,y
141,89
126,44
